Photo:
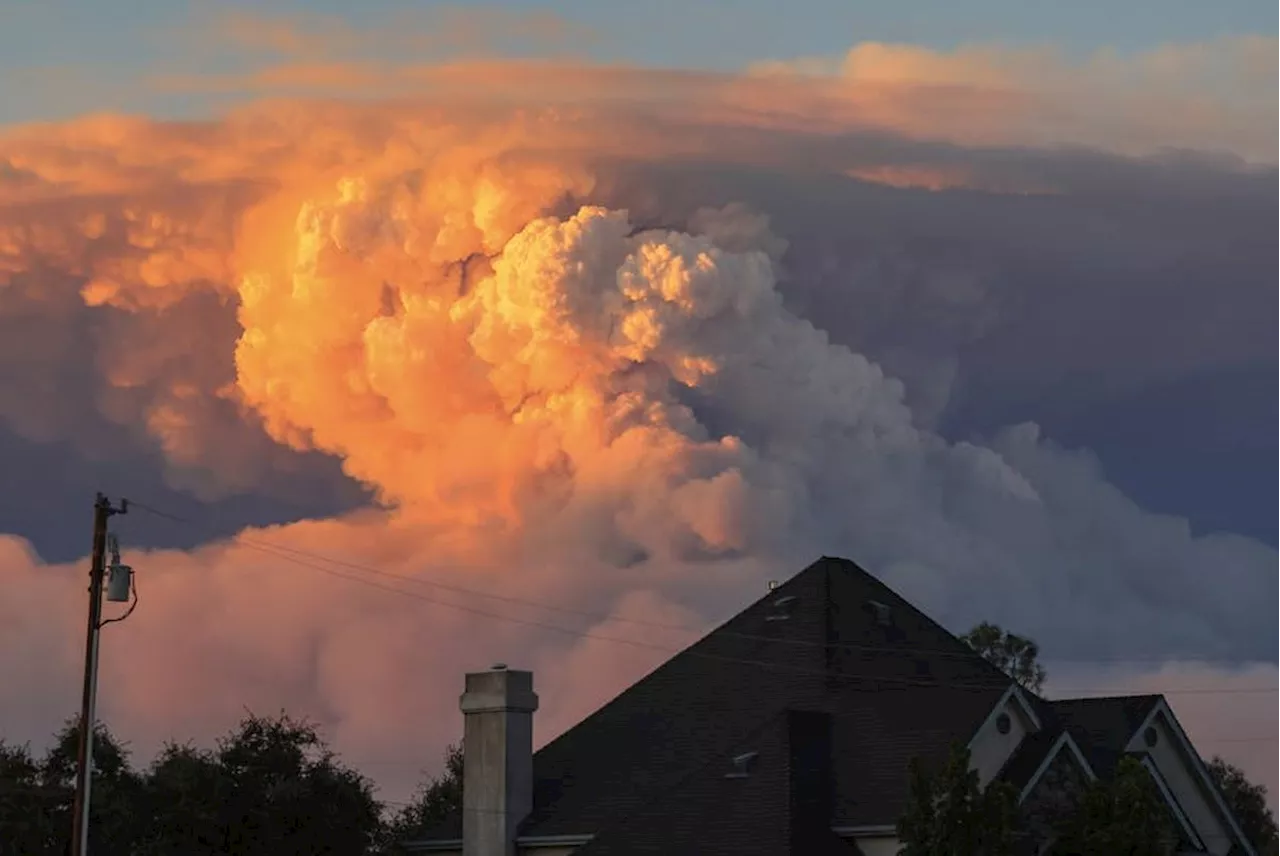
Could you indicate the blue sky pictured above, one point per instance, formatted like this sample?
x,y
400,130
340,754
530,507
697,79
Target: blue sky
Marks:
x,y
80,46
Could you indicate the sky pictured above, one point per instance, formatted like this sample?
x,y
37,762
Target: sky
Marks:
x,y
427,338
61,41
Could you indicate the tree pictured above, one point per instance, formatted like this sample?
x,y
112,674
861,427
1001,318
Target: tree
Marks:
x,y
283,792
949,814
114,818
270,788
1248,803
1123,816
435,802
1014,655
24,804
183,796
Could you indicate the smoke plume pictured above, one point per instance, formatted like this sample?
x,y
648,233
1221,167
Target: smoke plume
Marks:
x,y
558,388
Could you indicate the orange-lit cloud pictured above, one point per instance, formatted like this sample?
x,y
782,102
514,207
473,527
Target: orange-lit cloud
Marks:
x,y
1216,95
940,178
549,400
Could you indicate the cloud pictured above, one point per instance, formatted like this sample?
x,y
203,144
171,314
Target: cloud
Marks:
x,y
569,373
1205,95
1216,95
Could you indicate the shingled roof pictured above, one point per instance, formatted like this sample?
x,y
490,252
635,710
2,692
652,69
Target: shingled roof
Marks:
x,y
833,641
1102,727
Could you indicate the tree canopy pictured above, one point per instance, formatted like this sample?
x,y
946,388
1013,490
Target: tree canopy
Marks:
x,y
1014,655
1248,802
435,801
949,814
1123,815
270,788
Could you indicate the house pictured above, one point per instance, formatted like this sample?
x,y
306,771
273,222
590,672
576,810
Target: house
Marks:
x,y
789,730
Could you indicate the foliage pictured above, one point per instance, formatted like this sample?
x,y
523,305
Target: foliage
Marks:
x,y
435,801
114,789
1248,802
270,788
1124,816
949,814
25,822
1014,655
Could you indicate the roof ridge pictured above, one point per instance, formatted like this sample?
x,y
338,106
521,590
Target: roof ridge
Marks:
x,y
1116,697
962,652
712,636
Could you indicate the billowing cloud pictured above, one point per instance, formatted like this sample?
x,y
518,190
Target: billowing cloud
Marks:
x,y
1205,95
560,384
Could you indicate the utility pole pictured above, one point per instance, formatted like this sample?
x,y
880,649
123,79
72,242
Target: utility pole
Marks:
x,y
102,510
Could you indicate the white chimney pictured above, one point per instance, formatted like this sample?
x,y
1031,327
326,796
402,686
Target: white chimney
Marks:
x,y
497,746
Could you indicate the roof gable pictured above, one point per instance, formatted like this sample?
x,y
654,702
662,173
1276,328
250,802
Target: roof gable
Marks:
x,y
1103,727
832,639
1199,776
1106,729
834,644
692,708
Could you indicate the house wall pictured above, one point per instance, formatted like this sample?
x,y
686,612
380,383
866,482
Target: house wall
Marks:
x,y
522,851
1185,784
989,749
879,845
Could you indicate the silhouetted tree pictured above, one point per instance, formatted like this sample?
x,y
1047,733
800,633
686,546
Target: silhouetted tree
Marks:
x,y
184,795
1248,802
283,792
114,817
1122,816
949,814
435,802
270,788
25,804
1015,655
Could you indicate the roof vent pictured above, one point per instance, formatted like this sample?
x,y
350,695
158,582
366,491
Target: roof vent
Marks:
x,y
782,608
743,765
773,584
884,617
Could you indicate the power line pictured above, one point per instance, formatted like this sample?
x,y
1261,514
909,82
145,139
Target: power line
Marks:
x,y
280,553
279,549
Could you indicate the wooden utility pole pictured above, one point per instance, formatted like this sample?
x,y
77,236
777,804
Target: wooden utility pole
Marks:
x,y
102,510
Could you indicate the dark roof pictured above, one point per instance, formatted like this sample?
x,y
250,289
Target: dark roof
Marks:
x,y
713,811
1028,757
1102,727
892,691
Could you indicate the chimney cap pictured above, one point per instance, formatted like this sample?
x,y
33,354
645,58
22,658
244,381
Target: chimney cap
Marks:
x,y
499,690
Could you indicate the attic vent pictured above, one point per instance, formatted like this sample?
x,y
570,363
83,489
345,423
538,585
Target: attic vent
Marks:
x,y
743,765
881,611
781,608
